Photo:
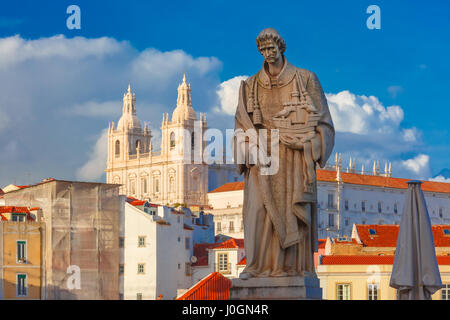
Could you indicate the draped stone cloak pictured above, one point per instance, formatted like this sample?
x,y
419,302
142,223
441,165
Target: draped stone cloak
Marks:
x,y
280,210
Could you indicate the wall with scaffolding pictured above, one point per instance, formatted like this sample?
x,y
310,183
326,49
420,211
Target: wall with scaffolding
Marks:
x,y
81,231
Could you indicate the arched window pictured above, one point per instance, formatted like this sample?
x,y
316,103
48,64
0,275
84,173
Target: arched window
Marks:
x,y
192,141
171,184
172,140
117,148
138,145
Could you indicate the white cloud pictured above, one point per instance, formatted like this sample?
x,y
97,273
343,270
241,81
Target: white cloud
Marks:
x,y
440,179
419,166
94,168
363,115
14,50
228,93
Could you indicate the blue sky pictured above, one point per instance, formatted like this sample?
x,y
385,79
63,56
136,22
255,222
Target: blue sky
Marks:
x,y
404,65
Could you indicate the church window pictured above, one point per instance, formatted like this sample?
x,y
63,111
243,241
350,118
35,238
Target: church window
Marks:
x,y
172,140
171,184
231,226
117,148
192,141
132,186
156,184
144,184
219,227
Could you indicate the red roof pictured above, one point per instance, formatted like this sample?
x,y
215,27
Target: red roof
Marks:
x,y
231,244
230,186
243,261
13,209
380,181
369,260
201,249
359,179
138,202
386,235
322,243
213,287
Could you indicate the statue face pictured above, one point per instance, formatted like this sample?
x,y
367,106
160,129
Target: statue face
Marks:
x,y
269,49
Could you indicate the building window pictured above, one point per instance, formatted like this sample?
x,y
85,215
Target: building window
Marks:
x,y
132,186
441,213
347,222
141,268
445,292
179,266
363,206
117,148
330,201
331,220
187,269
343,291
346,205
219,227
192,141
144,184
141,241
121,269
21,251
372,291
21,286
187,243
121,242
231,226
172,184
172,140
379,206
18,217
138,296
223,265
395,208
156,184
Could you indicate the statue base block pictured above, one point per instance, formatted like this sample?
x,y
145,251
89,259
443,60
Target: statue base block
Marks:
x,y
274,288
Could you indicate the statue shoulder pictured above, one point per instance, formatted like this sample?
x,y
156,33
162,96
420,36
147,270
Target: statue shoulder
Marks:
x,y
249,82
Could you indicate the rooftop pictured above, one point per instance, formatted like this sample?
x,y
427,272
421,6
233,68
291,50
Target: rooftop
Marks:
x,y
213,287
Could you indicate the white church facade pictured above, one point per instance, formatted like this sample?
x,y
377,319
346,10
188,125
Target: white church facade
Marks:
x,y
174,174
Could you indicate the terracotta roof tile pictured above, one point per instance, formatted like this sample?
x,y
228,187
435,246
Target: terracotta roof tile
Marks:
x,y
231,244
322,243
230,186
213,287
243,261
386,235
359,179
369,260
13,209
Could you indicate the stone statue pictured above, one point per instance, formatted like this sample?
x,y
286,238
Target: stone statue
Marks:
x,y
280,210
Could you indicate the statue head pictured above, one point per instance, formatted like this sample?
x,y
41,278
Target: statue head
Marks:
x,y
271,45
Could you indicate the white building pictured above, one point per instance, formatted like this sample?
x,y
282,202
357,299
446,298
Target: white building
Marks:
x,y
344,199
157,246
167,176
227,257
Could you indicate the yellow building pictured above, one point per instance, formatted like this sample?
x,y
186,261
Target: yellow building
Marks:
x,y
360,268
20,260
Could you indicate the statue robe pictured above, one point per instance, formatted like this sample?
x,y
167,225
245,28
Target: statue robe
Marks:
x,y
279,212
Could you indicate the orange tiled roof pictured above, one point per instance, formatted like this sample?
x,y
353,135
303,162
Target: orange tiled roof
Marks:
x,y
231,244
13,209
230,186
213,287
243,261
201,249
386,235
359,179
369,260
322,243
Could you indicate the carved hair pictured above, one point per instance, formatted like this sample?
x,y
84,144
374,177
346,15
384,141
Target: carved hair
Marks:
x,y
271,34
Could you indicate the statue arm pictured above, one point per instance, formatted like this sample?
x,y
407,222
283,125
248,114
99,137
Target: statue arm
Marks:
x,y
323,142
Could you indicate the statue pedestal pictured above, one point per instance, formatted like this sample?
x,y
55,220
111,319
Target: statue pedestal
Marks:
x,y
274,288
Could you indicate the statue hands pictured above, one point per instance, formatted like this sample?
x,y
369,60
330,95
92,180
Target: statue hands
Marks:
x,y
297,142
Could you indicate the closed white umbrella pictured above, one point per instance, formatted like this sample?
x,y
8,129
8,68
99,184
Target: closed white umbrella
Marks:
x,y
415,273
